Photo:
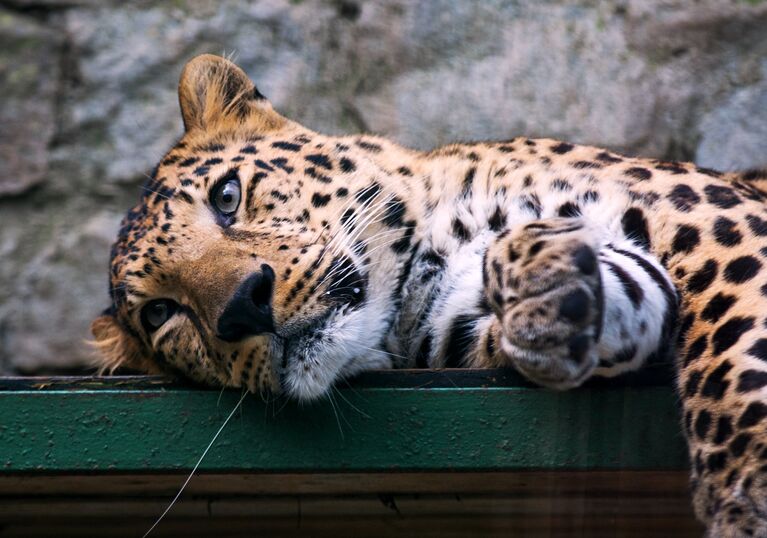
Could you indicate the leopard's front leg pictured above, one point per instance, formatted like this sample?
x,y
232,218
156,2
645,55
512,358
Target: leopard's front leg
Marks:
x,y
572,301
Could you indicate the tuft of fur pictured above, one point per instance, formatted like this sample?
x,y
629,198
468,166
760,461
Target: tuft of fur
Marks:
x,y
116,349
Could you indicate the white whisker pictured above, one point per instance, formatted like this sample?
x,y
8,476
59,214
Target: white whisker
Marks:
x,y
350,404
329,394
199,461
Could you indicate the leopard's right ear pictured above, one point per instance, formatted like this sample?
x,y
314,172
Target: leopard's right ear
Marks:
x,y
117,348
215,95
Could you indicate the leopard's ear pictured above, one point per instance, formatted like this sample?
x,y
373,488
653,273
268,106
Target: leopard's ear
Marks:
x,y
118,349
216,95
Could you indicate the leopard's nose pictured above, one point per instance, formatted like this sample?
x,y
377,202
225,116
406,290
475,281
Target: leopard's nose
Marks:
x,y
249,311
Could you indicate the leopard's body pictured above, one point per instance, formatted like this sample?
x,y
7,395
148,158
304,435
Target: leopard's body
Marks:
x,y
349,253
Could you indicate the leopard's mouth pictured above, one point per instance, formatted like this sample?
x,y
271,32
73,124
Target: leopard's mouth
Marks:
x,y
294,338
335,345
304,353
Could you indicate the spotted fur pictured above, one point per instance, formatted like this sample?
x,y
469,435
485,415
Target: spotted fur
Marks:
x,y
349,253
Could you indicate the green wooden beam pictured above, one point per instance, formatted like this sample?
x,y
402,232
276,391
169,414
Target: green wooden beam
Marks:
x,y
406,421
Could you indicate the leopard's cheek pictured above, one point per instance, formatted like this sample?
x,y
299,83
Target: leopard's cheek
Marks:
x,y
184,351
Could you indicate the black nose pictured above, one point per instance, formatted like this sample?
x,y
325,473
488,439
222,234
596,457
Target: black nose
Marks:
x,y
249,311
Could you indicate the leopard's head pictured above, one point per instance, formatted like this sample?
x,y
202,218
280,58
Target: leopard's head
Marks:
x,y
247,259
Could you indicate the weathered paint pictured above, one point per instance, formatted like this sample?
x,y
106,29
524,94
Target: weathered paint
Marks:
x,y
140,425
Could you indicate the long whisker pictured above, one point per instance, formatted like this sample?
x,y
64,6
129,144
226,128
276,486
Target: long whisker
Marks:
x,y
350,231
332,273
386,243
340,410
351,388
349,223
366,221
336,238
350,404
360,220
218,402
199,461
384,233
284,404
352,268
347,242
384,352
335,412
146,189
339,275
336,214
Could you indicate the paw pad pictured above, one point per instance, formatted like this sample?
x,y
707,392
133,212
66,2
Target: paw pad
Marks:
x,y
578,347
575,306
585,260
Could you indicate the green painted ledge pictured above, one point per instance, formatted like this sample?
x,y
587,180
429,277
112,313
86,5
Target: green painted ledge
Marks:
x,y
482,420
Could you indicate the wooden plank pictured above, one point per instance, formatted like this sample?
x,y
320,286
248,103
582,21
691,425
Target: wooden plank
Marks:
x,y
492,423
608,503
294,507
442,526
608,484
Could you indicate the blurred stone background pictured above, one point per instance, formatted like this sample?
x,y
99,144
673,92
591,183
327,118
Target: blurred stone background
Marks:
x,y
88,105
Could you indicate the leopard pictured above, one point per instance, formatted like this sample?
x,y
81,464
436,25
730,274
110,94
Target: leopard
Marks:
x,y
266,256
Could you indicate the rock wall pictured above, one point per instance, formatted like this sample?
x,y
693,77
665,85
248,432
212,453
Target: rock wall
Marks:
x,y
89,104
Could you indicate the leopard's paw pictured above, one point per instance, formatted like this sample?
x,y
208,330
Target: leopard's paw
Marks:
x,y
543,282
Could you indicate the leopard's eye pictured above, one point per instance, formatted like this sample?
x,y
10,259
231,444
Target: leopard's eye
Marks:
x,y
156,313
226,198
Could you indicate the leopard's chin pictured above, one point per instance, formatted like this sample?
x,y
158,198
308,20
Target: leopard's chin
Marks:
x,y
334,346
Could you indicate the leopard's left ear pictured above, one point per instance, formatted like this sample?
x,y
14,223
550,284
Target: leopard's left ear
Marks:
x,y
216,95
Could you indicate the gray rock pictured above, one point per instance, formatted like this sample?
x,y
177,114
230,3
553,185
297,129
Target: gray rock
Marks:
x,y
63,286
734,135
560,71
636,77
123,113
56,4
28,76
